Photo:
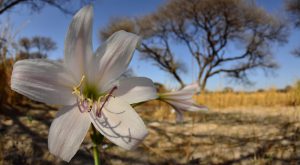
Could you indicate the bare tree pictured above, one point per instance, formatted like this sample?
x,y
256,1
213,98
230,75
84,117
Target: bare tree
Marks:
x,y
296,52
8,35
43,44
37,5
155,45
293,8
208,28
37,47
25,44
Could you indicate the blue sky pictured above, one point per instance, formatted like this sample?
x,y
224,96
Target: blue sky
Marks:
x,y
52,23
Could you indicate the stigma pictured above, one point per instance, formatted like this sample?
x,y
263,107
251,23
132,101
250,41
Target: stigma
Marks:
x,y
86,104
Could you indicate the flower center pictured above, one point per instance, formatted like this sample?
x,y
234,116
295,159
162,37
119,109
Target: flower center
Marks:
x,y
88,97
91,91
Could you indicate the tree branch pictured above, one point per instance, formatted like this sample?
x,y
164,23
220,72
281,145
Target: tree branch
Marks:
x,y
10,5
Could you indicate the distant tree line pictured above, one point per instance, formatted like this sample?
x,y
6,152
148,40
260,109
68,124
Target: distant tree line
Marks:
x,y
36,47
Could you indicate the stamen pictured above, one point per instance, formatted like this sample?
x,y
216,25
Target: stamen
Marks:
x,y
76,88
79,104
80,83
95,105
98,112
85,104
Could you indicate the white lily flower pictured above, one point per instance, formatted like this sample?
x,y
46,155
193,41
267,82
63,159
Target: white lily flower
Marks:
x,y
182,100
87,86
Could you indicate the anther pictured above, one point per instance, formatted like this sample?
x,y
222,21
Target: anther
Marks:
x,y
76,88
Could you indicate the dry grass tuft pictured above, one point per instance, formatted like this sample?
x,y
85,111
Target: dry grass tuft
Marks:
x,y
269,98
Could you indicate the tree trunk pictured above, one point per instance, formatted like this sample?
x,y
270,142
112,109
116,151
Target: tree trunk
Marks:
x,y
179,80
202,84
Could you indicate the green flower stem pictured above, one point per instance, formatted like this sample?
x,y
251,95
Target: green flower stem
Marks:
x,y
97,139
96,155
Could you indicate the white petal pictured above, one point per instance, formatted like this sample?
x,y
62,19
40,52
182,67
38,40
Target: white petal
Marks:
x,y
136,89
185,93
120,124
78,42
67,132
192,87
114,56
44,81
179,115
186,105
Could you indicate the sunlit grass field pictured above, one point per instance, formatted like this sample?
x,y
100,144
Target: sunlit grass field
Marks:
x,y
268,98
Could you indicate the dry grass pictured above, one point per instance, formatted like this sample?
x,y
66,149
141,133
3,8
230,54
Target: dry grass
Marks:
x,y
8,96
270,98
230,136
221,136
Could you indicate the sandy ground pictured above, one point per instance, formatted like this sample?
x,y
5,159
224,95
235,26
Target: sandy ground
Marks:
x,y
221,136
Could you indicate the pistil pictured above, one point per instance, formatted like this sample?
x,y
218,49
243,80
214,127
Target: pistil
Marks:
x,y
98,112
